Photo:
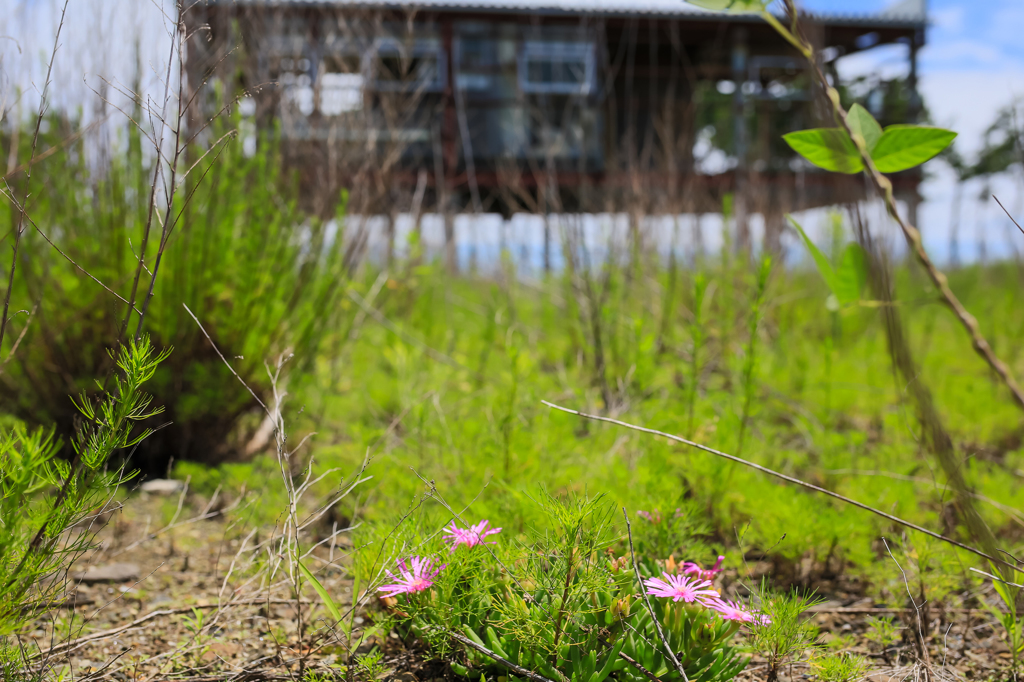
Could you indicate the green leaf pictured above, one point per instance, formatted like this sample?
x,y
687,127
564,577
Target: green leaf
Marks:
x,y
905,146
737,6
861,121
851,275
332,608
828,148
824,267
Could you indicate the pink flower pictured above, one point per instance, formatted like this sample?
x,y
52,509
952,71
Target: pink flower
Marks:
x,y
415,576
730,610
690,568
652,517
681,588
470,537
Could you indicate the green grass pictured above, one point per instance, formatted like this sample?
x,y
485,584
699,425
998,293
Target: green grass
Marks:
x,y
475,426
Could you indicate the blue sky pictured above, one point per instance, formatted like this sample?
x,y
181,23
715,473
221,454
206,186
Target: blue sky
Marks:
x,y
961,35
972,64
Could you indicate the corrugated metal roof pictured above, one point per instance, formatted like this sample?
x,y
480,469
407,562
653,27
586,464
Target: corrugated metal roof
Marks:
x,y
909,13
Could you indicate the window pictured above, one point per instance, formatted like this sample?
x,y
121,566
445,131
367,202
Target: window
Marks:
x,y
296,82
396,66
341,92
475,63
563,68
341,85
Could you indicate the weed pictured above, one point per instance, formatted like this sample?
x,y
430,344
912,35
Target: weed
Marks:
x,y
700,290
750,351
1010,617
783,634
371,666
44,496
883,633
838,667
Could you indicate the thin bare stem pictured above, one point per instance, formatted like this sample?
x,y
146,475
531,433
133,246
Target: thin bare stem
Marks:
x,y
17,342
21,207
1012,219
647,600
519,670
789,479
168,225
28,178
920,630
151,208
884,187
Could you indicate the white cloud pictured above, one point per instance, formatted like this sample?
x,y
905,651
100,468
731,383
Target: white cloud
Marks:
x,y
887,61
974,53
967,100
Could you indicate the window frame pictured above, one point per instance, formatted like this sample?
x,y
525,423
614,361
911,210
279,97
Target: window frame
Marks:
x,y
419,48
558,50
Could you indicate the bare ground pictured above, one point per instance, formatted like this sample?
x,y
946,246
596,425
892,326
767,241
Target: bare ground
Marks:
x,y
205,607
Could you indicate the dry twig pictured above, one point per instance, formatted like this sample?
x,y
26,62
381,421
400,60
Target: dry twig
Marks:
x,y
790,479
647,602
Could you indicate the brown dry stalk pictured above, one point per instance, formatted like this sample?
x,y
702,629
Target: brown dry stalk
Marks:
x,y
913,237
104,634
939,439
519,670
935,433
884,187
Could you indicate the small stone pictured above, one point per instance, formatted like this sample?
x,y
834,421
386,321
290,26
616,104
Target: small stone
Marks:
x,y
111,573
162,486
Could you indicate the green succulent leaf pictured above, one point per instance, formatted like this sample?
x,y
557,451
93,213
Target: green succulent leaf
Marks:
x,y
737,6
828,148
861,121
905,146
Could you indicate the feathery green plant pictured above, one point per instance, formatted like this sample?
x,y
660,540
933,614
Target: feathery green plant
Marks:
x,y
750,351
783,634
838,667
700,289
47,503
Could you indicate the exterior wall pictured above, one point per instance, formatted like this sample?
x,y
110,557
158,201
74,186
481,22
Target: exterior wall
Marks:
x,y
532,112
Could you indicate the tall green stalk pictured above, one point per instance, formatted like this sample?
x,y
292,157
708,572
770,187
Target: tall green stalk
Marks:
x,y
700,288
750,355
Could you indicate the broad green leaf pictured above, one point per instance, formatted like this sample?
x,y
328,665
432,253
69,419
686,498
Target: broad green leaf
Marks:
x,y
905,146
824,267
861,121
732,5
828,148
851,275
332,608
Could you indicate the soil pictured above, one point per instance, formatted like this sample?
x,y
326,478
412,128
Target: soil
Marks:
x,y
199,574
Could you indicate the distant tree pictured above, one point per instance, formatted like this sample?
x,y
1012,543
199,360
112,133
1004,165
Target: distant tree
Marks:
x,y
1002,151
1003,142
